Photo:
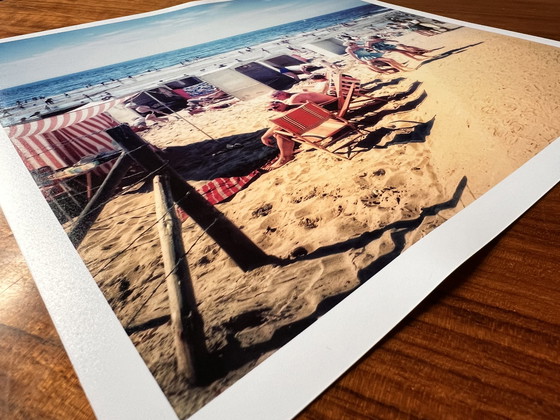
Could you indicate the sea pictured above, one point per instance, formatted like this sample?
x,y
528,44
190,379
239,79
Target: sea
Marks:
x,y
51,87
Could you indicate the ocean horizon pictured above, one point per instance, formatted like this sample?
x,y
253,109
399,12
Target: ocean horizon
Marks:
x,y
12,96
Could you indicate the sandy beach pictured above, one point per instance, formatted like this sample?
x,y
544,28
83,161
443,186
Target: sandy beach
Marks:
x,y
472,114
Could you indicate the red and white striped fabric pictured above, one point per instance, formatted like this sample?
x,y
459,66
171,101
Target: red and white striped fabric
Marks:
x,y
61,121
63,140
220,189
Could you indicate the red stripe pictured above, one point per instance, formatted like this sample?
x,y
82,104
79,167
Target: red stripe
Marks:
x,y
79,141
33,149
219,189
229,188
26,162
45,152
71,155
60,121
51,155
21,146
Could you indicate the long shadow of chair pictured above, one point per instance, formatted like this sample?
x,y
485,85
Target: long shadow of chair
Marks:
x,y
350,93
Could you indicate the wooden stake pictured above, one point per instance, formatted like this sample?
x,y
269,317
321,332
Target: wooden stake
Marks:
x,y
94,207
187,324
246,254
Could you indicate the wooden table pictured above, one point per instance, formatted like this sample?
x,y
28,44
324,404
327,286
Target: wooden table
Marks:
x,y
485,344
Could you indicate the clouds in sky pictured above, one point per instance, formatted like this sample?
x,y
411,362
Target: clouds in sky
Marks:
x,y
38,58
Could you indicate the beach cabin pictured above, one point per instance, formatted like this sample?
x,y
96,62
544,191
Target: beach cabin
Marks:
x,y
237,84
190,93
249,80
68,154
284,61
162,100
265,75
183,87
330,47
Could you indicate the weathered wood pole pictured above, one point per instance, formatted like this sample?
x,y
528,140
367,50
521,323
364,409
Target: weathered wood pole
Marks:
x,y
94,207
186,322
246,254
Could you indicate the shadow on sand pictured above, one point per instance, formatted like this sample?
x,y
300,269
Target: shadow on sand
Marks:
x,y
240,154
235,155
370,108
370,119
417,132
233,355
447,54
373,85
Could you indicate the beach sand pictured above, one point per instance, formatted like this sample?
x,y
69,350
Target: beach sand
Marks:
x,y
485,109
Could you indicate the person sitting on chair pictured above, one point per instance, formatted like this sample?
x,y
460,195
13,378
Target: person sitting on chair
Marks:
x,y
290,100
286,100
381,44
374,60
300,98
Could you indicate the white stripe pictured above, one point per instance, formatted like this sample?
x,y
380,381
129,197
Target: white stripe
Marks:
x,y
38,155
61,121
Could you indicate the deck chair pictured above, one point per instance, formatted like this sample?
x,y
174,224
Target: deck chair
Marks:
x,y
345,85
318,128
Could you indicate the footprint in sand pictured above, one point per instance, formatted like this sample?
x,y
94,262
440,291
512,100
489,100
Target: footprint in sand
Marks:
x,y
388,197
362,181
262,211
309,223
304,197
371,200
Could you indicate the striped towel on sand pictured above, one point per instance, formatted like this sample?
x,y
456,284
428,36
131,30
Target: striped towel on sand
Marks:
x,y
220,189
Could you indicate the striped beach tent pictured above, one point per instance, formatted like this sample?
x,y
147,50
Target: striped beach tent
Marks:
x,y
62,140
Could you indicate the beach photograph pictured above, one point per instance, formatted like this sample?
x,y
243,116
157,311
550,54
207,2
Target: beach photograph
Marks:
x,y
227,185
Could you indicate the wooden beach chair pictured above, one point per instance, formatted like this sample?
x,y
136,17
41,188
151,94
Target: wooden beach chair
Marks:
x,y
345,87
318,128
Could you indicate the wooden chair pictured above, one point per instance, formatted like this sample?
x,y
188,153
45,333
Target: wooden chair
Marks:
x,y
316,127
345,86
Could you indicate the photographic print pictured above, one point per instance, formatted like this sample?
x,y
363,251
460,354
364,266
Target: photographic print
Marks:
x,y
231,171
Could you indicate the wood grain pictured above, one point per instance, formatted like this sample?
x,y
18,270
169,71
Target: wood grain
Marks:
x,y
485,344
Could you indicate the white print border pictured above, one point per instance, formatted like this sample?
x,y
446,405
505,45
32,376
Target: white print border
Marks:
x,y
116,380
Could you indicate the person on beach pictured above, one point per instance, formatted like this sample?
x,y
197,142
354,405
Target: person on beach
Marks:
x,y
374,60
150,114
380,44
426,28
144,122
289,99
287,72
296,72
423,28
285,144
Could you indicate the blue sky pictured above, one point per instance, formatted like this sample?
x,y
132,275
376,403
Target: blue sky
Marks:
x,y
38,58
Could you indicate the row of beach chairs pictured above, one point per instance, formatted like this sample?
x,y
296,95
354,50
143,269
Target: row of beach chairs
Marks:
x,y
315,126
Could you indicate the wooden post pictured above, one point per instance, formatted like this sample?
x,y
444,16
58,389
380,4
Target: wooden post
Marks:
x,y
246,254
186,322
94,207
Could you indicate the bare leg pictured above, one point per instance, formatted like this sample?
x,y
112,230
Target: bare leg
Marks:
x,y
410,54
394,64
414,50
378,69
286,147
154,119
